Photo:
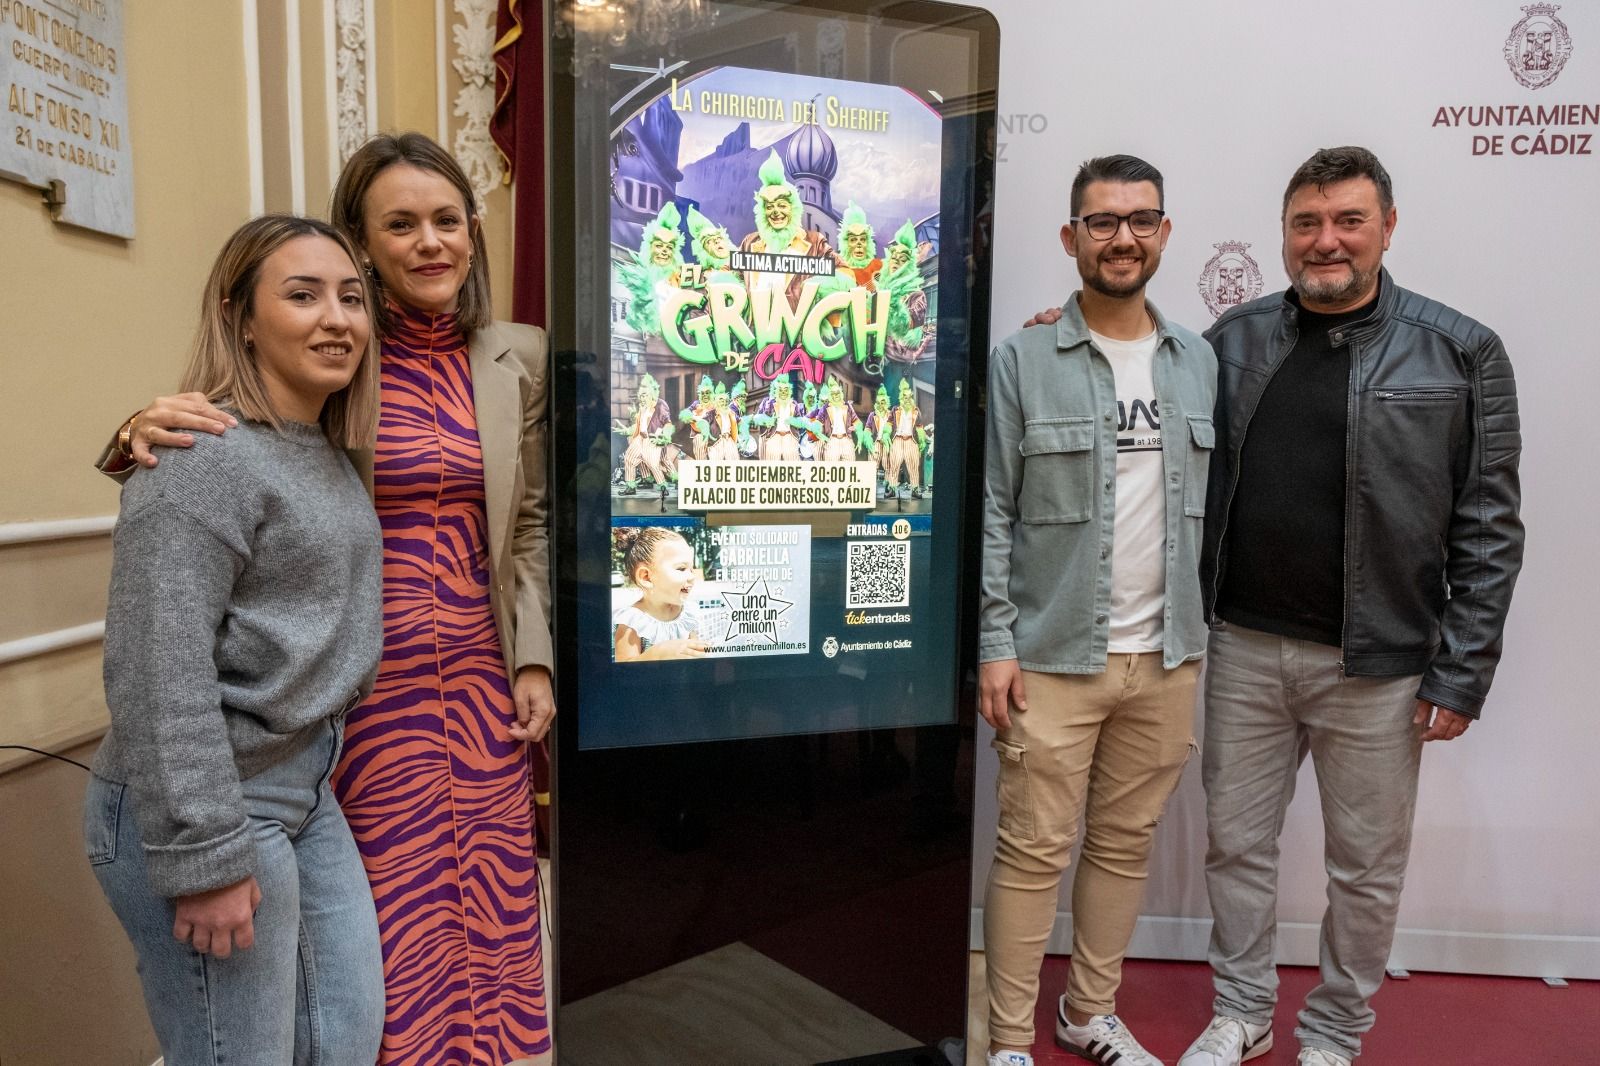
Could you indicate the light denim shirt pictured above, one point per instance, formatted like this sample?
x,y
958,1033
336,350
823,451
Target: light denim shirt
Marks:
x,y
1050,492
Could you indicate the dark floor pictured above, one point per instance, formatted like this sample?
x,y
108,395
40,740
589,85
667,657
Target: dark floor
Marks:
x,y
1428,1020
835,948
830,854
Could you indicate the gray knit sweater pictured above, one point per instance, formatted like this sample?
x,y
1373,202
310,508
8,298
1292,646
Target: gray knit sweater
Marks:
x,y
245,610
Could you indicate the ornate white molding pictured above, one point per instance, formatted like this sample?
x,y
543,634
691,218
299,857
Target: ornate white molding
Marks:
x,y
474,64
351,74
830,48
441,68
297,107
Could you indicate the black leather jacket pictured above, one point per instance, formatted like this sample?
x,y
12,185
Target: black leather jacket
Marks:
x,y
1432,540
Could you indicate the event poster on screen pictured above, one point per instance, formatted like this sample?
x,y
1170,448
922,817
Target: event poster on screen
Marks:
x,y
774,303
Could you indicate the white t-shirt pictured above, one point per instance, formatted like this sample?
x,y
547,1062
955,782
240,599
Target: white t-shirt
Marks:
x,y
1138,552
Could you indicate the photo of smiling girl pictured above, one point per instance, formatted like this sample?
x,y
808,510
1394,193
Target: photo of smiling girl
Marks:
x,y
661,623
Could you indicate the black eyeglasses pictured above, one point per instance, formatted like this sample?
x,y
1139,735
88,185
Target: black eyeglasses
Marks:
x,y
1103,225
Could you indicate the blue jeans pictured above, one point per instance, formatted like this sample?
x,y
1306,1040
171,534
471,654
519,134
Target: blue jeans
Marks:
x,y
310,990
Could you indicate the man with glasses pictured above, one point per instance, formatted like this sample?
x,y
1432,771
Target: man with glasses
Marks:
x,y
1098,441
1361,545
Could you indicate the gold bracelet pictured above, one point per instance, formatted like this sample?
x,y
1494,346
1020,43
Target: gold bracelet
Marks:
x,y
125,436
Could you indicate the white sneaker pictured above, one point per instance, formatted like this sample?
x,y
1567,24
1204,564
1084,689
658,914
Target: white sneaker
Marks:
x,y
1104,1040
1010,1058
1228,1042
1321,1056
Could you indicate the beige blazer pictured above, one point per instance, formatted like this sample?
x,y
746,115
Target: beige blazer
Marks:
x,y
511,395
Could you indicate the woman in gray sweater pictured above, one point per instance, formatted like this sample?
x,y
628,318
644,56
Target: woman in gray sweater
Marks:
x,y
244,621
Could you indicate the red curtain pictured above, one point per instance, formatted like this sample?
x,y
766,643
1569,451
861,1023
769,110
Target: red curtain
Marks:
x,y
518,129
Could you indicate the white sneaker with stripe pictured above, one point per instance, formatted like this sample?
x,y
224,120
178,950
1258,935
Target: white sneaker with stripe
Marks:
x,y
1228,1042
1104,1040
1010,1058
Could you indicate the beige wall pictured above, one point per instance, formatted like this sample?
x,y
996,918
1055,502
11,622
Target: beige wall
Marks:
x,y
67,988
90,328
90,325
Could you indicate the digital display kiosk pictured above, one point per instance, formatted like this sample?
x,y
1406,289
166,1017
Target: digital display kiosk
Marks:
x,y
769,309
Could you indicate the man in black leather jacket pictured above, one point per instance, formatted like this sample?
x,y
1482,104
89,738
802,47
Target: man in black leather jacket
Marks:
x,y
1361,545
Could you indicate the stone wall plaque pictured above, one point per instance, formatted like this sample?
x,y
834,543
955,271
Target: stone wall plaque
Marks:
x,y
66,121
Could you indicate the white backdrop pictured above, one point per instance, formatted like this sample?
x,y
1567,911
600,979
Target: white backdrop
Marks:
x,y
1227,98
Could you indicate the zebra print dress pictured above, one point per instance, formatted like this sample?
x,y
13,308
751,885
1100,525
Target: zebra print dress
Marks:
x,y
434,791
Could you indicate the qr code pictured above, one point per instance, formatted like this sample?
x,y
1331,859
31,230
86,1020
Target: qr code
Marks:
x,y
878,574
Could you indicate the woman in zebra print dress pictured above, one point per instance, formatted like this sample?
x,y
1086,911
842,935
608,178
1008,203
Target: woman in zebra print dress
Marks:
x,y
434,775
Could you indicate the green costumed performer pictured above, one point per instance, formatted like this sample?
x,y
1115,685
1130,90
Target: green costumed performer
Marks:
x,y
724,427
840,424
902,279
657,265
812,402
711,246
694,417
927,460
647,429
780,228
783,422
880,427
811,440
907,441
738,402
857,265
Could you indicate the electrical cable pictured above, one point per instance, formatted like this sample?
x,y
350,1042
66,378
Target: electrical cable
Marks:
x,y
46,754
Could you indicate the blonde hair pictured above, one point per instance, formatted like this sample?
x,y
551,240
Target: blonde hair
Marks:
x,y
474,308
223,366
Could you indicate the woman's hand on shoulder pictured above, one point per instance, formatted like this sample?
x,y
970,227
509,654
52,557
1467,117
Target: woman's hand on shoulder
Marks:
x,y
220,921
169,422
535,704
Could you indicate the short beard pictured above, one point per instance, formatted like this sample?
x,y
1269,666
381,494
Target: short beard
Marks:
x,y
1334,292
855,263
1097,281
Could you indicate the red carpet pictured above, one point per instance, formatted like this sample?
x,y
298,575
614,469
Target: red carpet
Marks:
x,y
1429,1020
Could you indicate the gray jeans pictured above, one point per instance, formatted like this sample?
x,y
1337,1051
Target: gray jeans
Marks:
x,y
1269,700
310,991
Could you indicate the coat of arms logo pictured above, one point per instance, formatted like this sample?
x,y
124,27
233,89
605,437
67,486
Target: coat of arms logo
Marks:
x,y
1231,277
1538,46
